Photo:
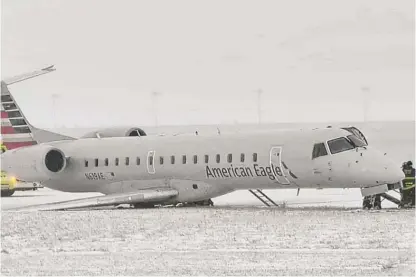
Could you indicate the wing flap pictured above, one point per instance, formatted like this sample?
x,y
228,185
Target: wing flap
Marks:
x,y
139,196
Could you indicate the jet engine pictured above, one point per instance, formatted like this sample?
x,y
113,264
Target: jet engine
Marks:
x,y
116,132
36,163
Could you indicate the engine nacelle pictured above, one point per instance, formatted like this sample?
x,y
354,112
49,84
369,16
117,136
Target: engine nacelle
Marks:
x,y
36,163
116,132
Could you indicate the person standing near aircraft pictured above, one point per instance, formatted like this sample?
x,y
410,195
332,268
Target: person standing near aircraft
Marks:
x,y
408,191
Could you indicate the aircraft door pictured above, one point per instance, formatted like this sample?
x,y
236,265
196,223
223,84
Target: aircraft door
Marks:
x,y
357,133
276,165
151,162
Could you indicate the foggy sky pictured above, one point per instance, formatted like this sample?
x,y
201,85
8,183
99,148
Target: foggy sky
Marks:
x,y
311,59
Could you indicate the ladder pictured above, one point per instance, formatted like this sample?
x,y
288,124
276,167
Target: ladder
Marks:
x,y
263,197
390,198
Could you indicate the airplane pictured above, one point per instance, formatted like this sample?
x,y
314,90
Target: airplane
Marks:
x,y
129,167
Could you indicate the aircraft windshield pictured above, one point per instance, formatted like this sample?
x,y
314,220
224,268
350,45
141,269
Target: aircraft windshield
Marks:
x,y
339,145
356,141
319,150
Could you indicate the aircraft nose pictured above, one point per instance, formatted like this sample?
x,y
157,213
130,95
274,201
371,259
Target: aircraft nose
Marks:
x,y
380,168
391,173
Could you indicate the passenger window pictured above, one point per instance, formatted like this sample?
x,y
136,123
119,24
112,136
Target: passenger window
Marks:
x,y
319,150
206,159
242,157
230,158
96,162
138,161
106,162
151,160
127,161
161,160
339,145
195,159
86,163
218,158
116,162
254,157
184,159
172,159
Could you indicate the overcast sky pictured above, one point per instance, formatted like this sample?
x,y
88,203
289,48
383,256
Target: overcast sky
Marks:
x,y
311,58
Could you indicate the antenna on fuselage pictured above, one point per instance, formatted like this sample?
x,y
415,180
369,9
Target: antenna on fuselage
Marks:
x,y
218,130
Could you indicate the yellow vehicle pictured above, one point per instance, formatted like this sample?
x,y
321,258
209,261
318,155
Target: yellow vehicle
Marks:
x,y
8,184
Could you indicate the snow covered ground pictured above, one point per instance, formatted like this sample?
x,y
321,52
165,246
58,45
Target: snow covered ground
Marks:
x,y
329,236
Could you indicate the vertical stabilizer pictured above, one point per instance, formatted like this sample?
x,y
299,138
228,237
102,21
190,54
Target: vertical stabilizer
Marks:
x,y
16,131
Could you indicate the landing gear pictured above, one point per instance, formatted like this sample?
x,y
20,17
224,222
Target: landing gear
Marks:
x,y
7,192
207,202
142,206
372,202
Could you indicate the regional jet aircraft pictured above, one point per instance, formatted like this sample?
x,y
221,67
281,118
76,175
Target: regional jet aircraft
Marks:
x,y
129,167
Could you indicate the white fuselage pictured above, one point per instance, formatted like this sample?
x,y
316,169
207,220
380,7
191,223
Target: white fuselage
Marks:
x,y
202,167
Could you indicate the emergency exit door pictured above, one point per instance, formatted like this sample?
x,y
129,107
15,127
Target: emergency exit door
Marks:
x,y
276,165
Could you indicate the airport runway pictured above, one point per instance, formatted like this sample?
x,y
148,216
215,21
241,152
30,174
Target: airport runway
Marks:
x,y
208,241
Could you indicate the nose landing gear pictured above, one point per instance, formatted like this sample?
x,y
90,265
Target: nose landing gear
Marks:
x,y
372,202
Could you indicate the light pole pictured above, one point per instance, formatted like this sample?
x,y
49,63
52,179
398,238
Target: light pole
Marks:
x,y
155,95
366,106
259,93
54,98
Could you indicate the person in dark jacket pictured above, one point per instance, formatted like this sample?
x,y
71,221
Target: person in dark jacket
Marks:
x,y
408,191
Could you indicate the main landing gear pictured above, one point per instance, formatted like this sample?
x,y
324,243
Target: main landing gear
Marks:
x,y
207,202
142,206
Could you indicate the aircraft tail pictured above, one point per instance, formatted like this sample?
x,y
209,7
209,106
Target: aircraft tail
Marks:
x,y
16,131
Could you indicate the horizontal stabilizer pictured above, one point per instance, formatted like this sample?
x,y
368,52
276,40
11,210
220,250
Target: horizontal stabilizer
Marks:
x,y
25,76
136,197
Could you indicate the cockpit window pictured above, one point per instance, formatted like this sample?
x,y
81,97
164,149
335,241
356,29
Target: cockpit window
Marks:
x,y
339,145
319,150
356,141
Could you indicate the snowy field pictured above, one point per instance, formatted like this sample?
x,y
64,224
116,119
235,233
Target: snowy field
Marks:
x,y
326,235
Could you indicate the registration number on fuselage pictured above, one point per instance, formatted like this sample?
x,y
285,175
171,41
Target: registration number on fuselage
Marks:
x,y
98,175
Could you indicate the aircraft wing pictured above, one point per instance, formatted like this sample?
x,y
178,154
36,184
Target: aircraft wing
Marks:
x,y
29,75
136,197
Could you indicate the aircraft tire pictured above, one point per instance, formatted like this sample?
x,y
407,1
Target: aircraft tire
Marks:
x,y
7,192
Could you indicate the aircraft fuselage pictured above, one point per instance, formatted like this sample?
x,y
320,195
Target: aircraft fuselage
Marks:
x,y
202,167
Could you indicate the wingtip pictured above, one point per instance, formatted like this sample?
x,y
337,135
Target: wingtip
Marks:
x,y
50,68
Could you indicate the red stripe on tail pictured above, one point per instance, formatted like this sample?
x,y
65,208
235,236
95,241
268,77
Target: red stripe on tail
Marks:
x,y
13,145
7,130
